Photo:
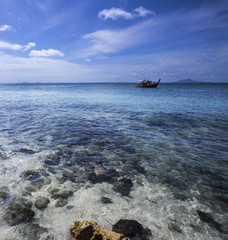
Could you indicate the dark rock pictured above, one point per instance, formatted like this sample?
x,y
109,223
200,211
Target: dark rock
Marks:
x,y
62,194
67,175
131,228
41,202
61,202
207,217
139,169
92,178
123,186
4,193
26,151
106,200
18,212
174,227
30,175
69,207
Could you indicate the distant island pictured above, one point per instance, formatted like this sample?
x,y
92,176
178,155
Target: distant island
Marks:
x,y
187,81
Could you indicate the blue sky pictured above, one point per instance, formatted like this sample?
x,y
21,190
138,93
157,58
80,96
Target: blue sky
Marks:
x,y
113,40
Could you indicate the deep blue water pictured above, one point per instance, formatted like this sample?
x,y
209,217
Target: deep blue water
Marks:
x,y
175,135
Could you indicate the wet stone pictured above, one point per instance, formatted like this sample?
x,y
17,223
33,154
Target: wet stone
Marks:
x,y
106,200
18,212
41,202
123,186
174,227
61,202
30,175
131,228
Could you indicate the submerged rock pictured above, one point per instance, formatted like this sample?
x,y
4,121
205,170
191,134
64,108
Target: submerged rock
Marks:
x,y
174,227
31,231
131,228
176,183
18,212
26,151
30,175
35,185
207,217
41,202
61,202
106,200
223,198
101,174
88,230
62,194
123,186
4,193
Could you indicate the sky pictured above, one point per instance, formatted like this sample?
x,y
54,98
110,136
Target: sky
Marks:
x,y
113,40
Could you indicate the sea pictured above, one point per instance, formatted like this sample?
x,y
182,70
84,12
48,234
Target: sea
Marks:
x,y
170,143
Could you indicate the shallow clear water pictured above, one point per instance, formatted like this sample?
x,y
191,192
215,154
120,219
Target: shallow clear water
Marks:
x,y
170,141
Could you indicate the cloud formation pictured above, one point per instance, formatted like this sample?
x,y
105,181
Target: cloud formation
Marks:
x,y
46,53
5,28
154,30
16,47
115,13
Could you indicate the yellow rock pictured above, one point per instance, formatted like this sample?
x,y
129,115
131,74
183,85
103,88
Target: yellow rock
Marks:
x,y
89,230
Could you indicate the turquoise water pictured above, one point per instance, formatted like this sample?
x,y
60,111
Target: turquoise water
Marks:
x,y
170,141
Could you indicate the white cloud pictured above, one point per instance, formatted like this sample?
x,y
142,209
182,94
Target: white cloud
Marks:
x,y
5,28
143,12
110,41
46,53
158,29
10,46
28,46
115,13
16,47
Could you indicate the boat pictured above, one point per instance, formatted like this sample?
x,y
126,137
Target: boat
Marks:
x,y
148,84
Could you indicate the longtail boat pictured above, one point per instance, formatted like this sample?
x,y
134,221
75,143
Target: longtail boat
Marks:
x,y
148,84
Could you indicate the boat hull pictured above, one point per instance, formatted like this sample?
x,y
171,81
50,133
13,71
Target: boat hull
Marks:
x,y
152,85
